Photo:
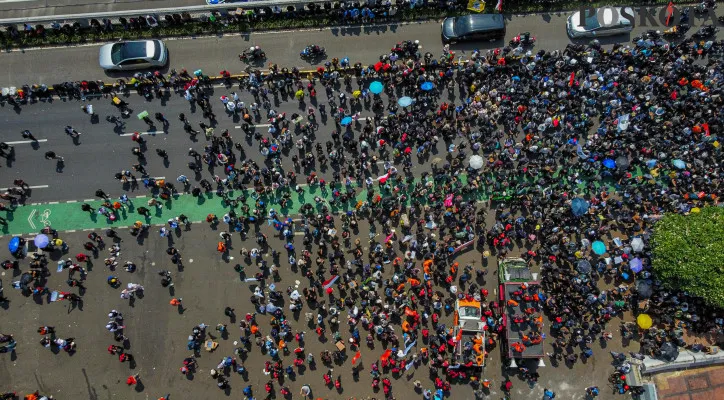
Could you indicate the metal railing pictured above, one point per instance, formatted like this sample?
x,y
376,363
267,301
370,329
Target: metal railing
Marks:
x,y
230,7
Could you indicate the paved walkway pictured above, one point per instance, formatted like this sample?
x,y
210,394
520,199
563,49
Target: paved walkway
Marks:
x,y
696,384
69,216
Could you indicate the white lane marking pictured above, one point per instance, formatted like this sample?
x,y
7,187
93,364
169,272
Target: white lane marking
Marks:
x,y
32,187
254,126
142,133
72,201
26,141
71,231
30,219
16,1
53,202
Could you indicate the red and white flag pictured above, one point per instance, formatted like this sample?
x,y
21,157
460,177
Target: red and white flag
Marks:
x,y
356,358
330,282
499,6
383,178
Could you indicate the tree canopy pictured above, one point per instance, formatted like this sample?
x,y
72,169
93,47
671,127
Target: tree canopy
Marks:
x,y
688,253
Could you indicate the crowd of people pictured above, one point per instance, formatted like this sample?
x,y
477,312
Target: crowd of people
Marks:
x,y
571,147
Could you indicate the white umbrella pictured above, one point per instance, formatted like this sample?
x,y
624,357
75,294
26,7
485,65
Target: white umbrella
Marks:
x,y
476,162
637,245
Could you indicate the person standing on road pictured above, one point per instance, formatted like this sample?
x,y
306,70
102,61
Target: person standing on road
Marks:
x,y
72,132
100,193
28,135
50,155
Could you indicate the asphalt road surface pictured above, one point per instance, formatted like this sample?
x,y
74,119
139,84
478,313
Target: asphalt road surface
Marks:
x,y
213,54
102,150
37,8
158,332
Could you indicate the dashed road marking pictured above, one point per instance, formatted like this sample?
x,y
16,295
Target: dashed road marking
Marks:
x,y
27,141
31,187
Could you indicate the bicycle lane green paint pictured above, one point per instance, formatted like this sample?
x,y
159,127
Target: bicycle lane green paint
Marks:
x,y
69,216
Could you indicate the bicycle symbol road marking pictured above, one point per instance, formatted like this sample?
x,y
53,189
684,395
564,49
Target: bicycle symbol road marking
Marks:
x,y
44,217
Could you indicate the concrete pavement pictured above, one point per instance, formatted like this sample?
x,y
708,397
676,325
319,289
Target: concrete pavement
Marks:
x,y
158,332
213,54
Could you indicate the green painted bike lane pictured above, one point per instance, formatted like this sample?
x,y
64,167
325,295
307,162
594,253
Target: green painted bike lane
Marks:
x,y
67,216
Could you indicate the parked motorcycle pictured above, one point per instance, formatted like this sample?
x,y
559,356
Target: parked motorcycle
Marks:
x,y
676,31
705,32
524,39
312,51
252,54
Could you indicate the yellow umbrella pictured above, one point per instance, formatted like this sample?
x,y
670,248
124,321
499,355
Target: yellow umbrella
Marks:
x,y
644,321
356,94
299,94
696,210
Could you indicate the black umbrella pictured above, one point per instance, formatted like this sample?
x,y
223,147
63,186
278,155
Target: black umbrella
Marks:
x,y
584,267
622,162
668,351
644,289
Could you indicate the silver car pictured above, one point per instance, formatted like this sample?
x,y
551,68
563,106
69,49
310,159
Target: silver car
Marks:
x,y
614,20
132,55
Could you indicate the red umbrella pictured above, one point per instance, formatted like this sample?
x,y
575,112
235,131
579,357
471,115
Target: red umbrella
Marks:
x,y
387,67
379,66
330,290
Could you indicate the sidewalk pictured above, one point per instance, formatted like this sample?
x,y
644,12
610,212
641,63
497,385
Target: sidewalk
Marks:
x,y
695,384
68,216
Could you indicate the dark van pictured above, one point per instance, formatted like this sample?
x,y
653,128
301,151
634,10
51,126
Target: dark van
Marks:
x,y
473,27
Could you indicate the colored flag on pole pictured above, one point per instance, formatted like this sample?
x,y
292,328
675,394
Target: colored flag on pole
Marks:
x,y
356,357
705,125
459,336
383,178
669,12
386,355
499,6
476,5
573,77
330,282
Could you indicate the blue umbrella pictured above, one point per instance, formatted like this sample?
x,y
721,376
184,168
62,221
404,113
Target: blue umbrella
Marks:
x,y
427,86
377,87
404,101
41,241
346,121
598,247
609,163
579,206
679,164
636,265
14,244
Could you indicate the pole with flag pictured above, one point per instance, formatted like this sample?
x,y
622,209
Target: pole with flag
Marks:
x,y
669,12
573,77
499,6
330,282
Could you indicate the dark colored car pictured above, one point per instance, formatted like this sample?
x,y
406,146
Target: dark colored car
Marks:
x,y
473,27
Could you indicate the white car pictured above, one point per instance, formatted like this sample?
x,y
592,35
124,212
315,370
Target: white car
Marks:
x,y
131,55
616,21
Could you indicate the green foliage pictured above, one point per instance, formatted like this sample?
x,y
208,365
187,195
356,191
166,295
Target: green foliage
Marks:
x,y
688,253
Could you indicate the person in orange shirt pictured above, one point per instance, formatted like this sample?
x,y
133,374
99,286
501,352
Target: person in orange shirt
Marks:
x,y
513,303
